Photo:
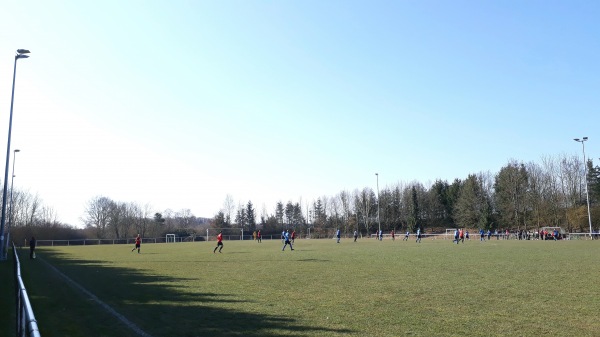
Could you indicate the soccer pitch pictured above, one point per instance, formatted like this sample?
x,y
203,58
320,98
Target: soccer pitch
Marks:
x,y
367,288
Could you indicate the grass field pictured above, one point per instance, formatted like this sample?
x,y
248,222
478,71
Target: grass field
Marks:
x,y
368,288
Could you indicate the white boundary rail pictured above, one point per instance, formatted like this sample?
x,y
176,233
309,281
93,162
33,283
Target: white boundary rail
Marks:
x,y
26,323
198,238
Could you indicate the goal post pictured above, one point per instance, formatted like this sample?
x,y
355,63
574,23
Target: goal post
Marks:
x,y
228,233
170,238
450,232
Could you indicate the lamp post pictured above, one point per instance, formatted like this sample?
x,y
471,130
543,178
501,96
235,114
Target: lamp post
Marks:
x,y
587,194
12,182
378,220
21,54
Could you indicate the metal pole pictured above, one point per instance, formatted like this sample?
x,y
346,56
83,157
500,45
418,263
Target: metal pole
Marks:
x,y
587,195
19,55
12,182
587,188
378,219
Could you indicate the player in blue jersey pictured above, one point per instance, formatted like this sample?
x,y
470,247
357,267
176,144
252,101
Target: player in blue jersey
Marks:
x,y
286,237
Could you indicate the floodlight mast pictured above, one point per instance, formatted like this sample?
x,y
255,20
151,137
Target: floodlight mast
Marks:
x,y
21,54
587,194
11,215
378,219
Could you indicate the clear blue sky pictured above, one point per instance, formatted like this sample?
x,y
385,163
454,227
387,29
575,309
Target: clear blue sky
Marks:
x,y
179,103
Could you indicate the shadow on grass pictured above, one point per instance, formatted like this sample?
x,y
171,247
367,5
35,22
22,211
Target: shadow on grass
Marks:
x,y
152,302
314,260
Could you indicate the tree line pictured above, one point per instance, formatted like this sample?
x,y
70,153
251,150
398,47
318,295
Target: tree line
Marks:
x,y
519,196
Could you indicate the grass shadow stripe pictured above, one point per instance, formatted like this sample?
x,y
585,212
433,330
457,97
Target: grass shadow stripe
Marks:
x,y
108,308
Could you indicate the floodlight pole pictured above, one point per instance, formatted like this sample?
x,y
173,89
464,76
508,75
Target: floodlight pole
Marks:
x,y
12,183
21,54
378,219
587,194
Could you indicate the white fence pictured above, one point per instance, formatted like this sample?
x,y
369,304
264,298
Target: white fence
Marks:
x,y
26,323
235,237
95,242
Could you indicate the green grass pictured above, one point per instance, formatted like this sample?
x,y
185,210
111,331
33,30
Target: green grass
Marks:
x,y
369,288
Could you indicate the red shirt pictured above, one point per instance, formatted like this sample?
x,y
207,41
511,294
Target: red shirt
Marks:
x,y
220,237
138,240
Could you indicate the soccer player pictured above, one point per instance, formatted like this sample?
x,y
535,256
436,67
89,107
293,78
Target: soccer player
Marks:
x,y
258,236
418,235
455,236
355,235
393,235
286,236
406,236
293,235
461,235
219,242
138,242
337,234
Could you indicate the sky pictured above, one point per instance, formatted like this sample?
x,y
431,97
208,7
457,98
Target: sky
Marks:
x,y
178,104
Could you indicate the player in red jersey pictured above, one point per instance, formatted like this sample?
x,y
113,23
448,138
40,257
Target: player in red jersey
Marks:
x,y
138,242
219,242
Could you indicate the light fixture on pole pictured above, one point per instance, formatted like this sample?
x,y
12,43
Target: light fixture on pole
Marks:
x,y
378,220
587,195
21,54
12,183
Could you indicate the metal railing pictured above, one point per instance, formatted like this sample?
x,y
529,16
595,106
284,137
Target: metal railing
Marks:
x,y
26,323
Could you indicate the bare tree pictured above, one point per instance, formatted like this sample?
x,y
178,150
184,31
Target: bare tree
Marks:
x,y
98,215
336,212
229,207
364,201
146,214
553,191
344,201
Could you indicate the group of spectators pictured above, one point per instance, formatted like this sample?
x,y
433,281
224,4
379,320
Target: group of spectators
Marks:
x,y
522,234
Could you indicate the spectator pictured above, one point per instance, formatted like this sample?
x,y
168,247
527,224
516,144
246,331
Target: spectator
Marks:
x,y
32,244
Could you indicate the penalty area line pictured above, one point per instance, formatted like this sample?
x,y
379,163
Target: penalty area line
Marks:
x,y
107,307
